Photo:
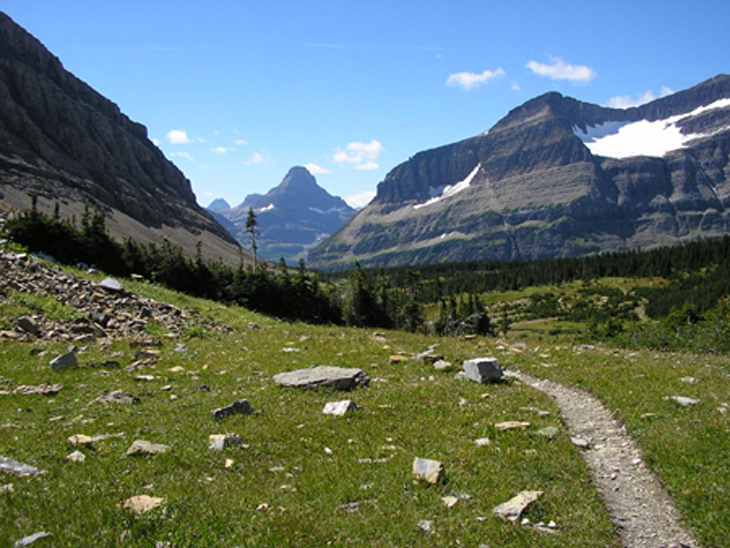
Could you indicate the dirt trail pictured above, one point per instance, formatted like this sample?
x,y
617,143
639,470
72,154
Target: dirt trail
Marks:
x,y
642,510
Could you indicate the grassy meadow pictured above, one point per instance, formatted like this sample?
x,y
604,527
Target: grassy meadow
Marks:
x,y
303,478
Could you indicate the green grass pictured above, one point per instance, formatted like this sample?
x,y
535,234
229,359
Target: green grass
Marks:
x,y
404,414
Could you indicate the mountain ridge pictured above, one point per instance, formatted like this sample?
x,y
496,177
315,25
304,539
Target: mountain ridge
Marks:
x,y
541,192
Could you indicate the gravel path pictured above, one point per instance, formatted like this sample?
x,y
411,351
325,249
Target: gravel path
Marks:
x,y
642,510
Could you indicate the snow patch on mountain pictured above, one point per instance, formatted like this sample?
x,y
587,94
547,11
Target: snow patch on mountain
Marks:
x,y
643,138
265,209
439,193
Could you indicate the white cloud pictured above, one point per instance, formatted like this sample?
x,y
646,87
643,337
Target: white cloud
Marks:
x,y
241,142
314,169
185,155
220,150
178,137
560,70
360,200
469,80
515,87
254,160
361,155
367,166
626,101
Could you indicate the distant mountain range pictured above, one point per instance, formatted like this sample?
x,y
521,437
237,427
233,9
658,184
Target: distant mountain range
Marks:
x,y
292,217
63,142
556,177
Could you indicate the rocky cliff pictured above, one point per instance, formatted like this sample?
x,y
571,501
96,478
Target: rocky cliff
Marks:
x,y
65,143
292,217
554,178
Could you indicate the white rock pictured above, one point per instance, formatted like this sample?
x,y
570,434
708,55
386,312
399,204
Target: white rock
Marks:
x,y
340,408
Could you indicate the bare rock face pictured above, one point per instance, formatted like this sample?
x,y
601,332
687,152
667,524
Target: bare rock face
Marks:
x,y
67,144
534,186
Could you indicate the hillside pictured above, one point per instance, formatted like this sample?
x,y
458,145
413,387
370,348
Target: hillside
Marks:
x,y
554,178
65,143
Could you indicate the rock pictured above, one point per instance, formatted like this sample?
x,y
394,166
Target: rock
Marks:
x,y
111,285
142,447
512,425
323,376
549,431
512,509
340,408
142,504
395,359
449,501
430,359
76,456
580,442
240,407
64,362
684,402
80,440
218,442
117,397
689,380
441,364
482,442
425,525
12,466
483,370
27,541
429,470
28,325
42,389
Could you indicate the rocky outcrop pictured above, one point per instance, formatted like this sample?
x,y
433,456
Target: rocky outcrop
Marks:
x,y
292,217
65,143
542,183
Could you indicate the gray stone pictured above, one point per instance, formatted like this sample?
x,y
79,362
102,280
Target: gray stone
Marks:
x,y
549,431
240,407
689,380
28,325
76,456
683,401
483,370
218,442
512,509
142,447
340,408
64,363
15,467
117,397
580,442
111,285
323,376
441,364
27,541
429,470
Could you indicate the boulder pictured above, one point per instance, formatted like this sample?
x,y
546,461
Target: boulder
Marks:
x,y
323,376
340,408
429,470
512,509
483,370
63,363
240,407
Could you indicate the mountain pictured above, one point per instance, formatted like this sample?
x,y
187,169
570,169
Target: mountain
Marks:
x,y
292,217
67,144
219,204
556,177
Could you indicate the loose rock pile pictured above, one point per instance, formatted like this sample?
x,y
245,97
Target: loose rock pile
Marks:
x,y
103,310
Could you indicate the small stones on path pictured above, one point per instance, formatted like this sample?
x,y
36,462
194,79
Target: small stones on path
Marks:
x,y
428,470
580,442
340,408
513,508
483,370
142,447
240,407
323,376
142,504
64,362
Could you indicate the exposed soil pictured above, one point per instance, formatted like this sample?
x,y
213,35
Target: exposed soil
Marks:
x,y
642,510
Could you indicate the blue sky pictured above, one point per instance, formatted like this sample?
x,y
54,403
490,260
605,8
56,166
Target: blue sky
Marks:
x,y
237,92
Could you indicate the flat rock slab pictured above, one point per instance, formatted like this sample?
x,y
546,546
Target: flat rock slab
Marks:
x,y
483,370
512,425
429,470
112,285
240,407
42,389
340,408
15,467
323,376
142,504
512,509
64,362
142,447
